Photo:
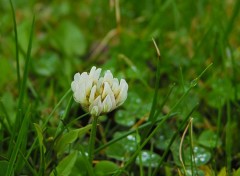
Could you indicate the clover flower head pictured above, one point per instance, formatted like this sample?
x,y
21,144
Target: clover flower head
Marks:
x,y
98,95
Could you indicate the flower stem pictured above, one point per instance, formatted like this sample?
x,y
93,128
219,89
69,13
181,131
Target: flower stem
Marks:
x,y
92,138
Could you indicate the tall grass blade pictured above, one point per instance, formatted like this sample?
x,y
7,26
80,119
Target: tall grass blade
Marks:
x,y
26,69
60,125
55,108
45,123
16,45
181,127
192,85
22,90
152,117
142,127
21,135
4,111
232,20
228,139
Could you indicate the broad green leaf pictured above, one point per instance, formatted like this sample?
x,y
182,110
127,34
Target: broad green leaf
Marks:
x,y
197,172
104,168
201,156
148,159
117,151
124,118
132,111
80,167
221,90
209,139
163,137
65,166
69,138
124,147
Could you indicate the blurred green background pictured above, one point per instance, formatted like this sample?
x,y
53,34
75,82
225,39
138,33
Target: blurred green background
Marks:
x,y
72,36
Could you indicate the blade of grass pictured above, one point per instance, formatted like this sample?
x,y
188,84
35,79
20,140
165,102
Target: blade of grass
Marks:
x,y
150,165
21,135
155,98
26,69
42,148
141,170
22,90
192,85
228,139
142,127
192,160
44,125
181,158
181,127
132,158
66,112
88,165
16,45
219,126
151,117
55,108
8,125
31,169
232,20
234,75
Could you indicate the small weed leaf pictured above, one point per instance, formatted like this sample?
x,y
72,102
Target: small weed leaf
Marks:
x,y
69,138
148,159
65,166
105,168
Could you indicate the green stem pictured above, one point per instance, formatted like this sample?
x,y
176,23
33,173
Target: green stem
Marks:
x,y
92,138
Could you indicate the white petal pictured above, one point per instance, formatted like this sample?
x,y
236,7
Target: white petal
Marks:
x,y
92,71
113,101
75,83
92,94
115,86
97,102
76,96
77,77
107,90
85,83
123,92
88,85
99,85
107,104
108,77
95,73
74,86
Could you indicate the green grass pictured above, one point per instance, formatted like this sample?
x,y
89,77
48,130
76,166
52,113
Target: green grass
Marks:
x,y
185,99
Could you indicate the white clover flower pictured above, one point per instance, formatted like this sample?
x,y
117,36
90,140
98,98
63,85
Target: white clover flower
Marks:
x,y
98,95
